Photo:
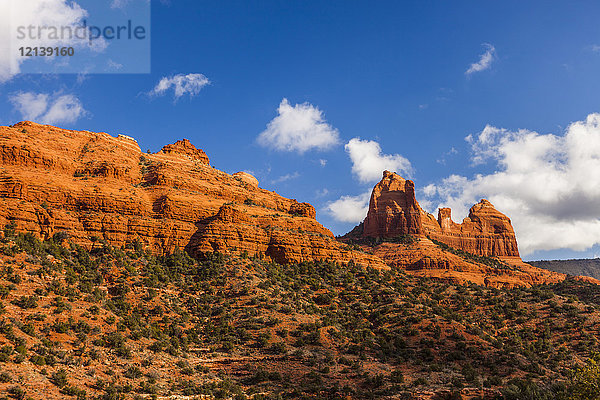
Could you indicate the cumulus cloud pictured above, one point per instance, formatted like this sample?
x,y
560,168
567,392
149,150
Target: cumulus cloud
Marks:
x,y
350,208
48,109
368,162
298,128
547,184
189,84
485,60
15,13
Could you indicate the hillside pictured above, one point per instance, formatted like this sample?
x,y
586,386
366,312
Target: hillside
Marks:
x,y
583,267
116,323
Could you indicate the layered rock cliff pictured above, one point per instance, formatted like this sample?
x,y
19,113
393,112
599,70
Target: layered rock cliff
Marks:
x,y
486,232
94,187
393,208
394,211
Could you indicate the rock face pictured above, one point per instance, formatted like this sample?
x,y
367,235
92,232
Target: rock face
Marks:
x,y
97,187
186,148
393,208
246,177
394,211
485,232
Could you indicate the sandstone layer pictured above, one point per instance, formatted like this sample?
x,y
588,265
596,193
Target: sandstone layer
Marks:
x,y
97,187
424,258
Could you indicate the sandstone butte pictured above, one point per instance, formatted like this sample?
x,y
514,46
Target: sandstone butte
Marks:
x,y
394,212
98,187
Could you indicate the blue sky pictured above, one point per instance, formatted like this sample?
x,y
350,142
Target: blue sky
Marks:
x,y
390,72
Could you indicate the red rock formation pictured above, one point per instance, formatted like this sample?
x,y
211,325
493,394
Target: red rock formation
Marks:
x,y
246,177
186,148
98,187
394,211
95,185
393,208
485,232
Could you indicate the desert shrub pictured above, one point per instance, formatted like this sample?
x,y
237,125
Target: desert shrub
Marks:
x,y
518,389
585,382
5,377
277,348
59,378
16,392
132,372
26,302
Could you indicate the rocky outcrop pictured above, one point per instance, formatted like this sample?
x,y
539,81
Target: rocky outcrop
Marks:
x,y
486,232
394,211
303,210
393,208
246,177
97,187
282,238
186,148
482,249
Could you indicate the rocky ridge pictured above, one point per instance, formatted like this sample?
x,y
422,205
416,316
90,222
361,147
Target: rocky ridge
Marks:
x,y
394,211
96,187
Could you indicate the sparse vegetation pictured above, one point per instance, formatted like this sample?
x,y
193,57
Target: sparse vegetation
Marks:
x,y
121,322
489,261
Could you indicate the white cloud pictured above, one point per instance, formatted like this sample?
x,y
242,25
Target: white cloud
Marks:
x,y
285,178
298,128
350,208
48,109
547,184
368,163
16,13
485,60
190,84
